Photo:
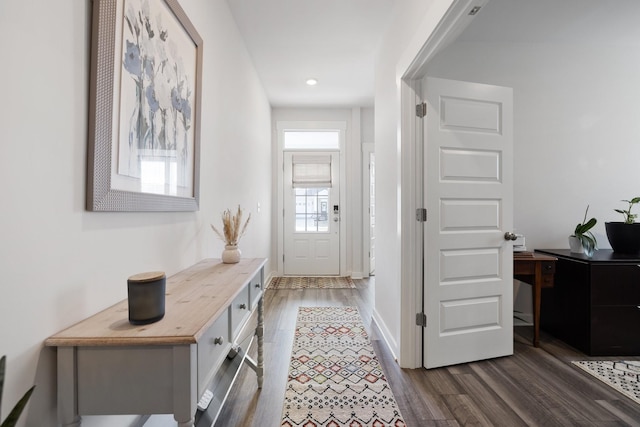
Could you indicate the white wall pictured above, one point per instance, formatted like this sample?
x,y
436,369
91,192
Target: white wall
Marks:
x,y
59,263
576,131
356,129
368,125
411,25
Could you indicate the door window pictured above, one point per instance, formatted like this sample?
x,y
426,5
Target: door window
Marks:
x,y
312,214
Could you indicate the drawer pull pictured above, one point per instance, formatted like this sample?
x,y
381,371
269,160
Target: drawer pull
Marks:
x,y
218,341
243,306
257,285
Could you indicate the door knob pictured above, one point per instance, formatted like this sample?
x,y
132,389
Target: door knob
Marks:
x,y
510,236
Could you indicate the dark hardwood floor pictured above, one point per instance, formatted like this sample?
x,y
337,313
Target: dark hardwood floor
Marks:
x,y
534,387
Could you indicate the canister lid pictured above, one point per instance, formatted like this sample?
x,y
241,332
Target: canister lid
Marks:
x,y
147,277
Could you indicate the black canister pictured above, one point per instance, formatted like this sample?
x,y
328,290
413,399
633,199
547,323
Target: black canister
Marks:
x,y
146,297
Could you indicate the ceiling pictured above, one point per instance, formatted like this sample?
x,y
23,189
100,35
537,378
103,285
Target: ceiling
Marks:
x,y
556,21
335,41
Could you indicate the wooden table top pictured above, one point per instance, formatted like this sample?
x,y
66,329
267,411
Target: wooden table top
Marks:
x,y
534,256
195,298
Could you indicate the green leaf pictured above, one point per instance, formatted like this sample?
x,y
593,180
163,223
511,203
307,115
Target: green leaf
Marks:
x,y
635,200
14,415
588,241
583,228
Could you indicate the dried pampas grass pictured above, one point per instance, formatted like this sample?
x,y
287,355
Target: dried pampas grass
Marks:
x,y
231,230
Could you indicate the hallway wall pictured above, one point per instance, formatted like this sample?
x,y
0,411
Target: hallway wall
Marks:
x,y
60,263
412,23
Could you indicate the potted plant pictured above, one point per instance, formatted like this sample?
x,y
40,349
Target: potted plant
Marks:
x,y
232,231
582,240
14,415
624,236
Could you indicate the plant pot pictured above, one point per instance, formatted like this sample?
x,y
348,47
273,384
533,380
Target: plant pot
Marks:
x,y
575,246
624,238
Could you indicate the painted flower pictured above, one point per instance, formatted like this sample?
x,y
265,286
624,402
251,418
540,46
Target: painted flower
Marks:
x,y
132,60
176,99
152,101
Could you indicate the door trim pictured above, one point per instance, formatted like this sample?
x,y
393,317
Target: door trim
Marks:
x,y
281,126
368,148
410,70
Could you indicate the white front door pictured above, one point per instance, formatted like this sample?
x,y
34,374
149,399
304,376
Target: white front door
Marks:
x,y
468,289
311,214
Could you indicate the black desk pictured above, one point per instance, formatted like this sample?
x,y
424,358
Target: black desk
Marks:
x,y
595,303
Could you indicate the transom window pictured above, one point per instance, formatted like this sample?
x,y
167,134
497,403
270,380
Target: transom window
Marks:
x,y
311,139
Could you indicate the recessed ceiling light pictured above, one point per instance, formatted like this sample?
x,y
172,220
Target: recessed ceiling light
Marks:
x,y
312,82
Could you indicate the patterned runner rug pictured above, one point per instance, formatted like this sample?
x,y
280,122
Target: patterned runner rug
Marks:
x,y
320,282
335,378
622,375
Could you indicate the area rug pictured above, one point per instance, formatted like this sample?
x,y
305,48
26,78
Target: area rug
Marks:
x,y
622,375
319,282
335,378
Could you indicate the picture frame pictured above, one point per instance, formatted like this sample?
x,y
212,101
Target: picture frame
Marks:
x,y
144,108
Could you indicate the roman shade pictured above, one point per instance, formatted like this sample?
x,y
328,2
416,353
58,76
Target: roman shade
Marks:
x,y
311,171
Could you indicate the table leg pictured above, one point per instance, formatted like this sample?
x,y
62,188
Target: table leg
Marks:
x,y
260,334
185,372
537,290
68,387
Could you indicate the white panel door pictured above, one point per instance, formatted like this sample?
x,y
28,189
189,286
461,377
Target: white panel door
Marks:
x,y
468,287
312,222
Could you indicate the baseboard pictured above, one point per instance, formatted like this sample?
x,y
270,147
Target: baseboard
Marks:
x,y
140,422
522,319
387,337
268,280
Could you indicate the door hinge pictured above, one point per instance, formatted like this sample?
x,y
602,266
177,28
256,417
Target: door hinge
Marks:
x,y
421,109
421,320
421,215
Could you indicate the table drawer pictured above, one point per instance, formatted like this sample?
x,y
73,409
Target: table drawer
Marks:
x,y
614,331
615,284
255,290
213,347
239,310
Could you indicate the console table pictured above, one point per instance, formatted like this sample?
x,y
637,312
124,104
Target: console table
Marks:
x,y
595,304
108,366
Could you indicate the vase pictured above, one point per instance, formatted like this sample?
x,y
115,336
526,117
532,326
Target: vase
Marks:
x,y
575,246
231,254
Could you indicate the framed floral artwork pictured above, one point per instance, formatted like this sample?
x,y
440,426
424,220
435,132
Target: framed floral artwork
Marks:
x,y
145,94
